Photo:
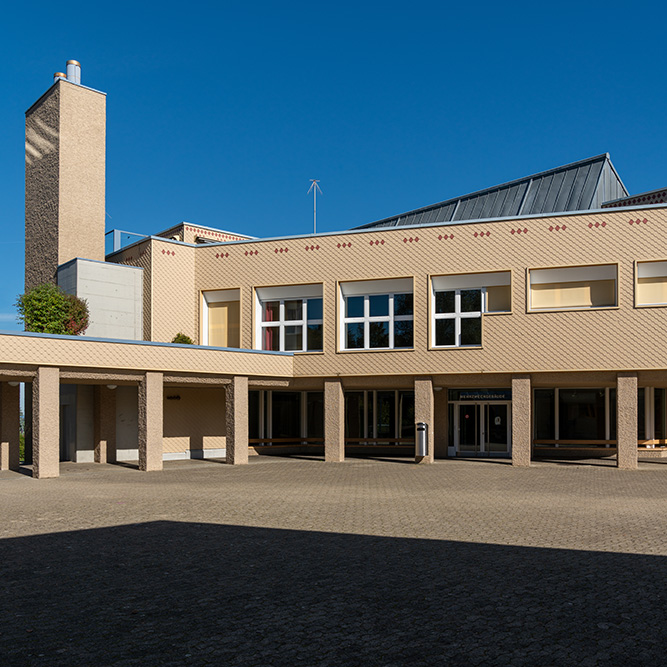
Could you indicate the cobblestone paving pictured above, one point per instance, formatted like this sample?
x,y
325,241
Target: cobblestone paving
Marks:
x,y
298,562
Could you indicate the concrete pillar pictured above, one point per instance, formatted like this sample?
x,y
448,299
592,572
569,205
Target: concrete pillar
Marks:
x,y
236,425
46,423
425,412
150,422
334,421
27,425
105,424
441,424
626,420
9,427
521,420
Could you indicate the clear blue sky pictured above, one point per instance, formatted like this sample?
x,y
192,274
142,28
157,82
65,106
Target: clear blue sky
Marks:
x,y
219,113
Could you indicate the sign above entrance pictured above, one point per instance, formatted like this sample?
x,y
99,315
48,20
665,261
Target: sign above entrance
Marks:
x,y
480,394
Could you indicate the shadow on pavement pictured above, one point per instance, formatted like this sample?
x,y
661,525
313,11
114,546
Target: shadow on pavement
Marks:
x,y
168,593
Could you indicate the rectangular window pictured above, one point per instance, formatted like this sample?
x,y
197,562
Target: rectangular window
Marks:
x,y
290,318
544,411
581,414
651,284
574,417
573,287
458,318
375,319
379,417
286,417
221,318
641,413
458,303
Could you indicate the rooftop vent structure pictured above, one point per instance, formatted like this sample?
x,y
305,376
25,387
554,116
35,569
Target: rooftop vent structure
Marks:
x,y
59,75
74,71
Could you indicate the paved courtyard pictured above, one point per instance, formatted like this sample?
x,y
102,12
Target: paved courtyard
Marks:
x,y
298,562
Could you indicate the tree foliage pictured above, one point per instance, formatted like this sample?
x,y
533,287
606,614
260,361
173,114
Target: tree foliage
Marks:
x,y
47,309
182,338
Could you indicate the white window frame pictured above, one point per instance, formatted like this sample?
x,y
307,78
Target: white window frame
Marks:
x,y
457,315
281,323
367,319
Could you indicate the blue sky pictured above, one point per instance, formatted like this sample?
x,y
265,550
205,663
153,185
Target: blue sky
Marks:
x,y
219,113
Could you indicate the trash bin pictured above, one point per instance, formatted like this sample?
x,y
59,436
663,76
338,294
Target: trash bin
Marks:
x,y
421,444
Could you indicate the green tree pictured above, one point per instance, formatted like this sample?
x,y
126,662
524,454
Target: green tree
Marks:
x,y
182,338
47,309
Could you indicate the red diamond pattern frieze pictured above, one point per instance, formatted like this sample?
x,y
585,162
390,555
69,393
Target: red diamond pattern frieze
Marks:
x,y
558,228
519,231
168,252
481,234
376,242
312,247
281,250
221,255
217,235
411,239
251,252
344,245
445,237
596,224
638,222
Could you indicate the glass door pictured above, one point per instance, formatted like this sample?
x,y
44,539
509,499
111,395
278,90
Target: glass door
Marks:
x,y
496,428
482,429
468,428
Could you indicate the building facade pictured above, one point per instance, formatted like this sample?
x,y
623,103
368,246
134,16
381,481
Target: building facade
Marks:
x,y
522,321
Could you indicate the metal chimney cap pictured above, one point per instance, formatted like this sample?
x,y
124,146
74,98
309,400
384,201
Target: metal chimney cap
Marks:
x,y
74,62
60,75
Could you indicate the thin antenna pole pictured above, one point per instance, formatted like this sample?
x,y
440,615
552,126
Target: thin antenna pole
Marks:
x,y
314,187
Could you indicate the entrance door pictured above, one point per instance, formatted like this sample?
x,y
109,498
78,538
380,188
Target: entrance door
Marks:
x,y
496,428
482,429
469,439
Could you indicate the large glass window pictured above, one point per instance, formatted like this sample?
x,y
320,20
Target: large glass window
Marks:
x,y
286,417
378,321
291,325
652,415
573,287
545,414
574,416
379,417
651,284
221,318
458,317
581,414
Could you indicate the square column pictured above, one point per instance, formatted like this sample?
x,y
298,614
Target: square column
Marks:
x,y
425,412
9,427
626,420
105,424
521,420
334,421
46,423
150,422
236,425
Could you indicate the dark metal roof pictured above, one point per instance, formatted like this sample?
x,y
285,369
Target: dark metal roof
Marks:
x,y
578,186
651,197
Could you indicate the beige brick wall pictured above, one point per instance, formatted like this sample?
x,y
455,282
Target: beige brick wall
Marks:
x,y
65,179
82,173
68,353
140,255
519,342
42,143
196,420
